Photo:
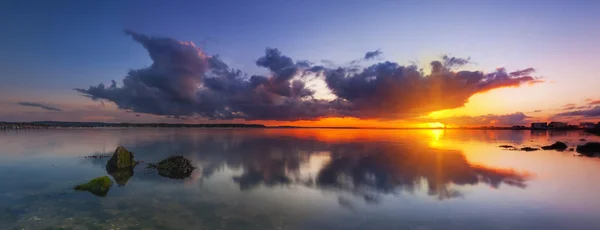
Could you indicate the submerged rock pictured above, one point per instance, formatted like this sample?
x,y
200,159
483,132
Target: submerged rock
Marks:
x,y
529,149
589,149
175,167
121,176
560,146
121,159
97,186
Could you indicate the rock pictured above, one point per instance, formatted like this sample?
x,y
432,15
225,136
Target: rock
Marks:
x,y
589,149
97,186
175,167
529,149
560,146
593,131
121,159
506,146
571,149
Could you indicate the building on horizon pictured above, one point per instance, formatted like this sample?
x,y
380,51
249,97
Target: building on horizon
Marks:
x,y
587,125
539,125
557,125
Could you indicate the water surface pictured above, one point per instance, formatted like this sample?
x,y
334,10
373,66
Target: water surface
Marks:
x,y
300,179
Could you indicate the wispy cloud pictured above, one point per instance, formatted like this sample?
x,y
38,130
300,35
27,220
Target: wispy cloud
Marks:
x,y
40,105
592,112
594,102
373,54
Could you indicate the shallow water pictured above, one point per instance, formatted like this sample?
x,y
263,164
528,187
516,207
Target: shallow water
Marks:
x,y
301,179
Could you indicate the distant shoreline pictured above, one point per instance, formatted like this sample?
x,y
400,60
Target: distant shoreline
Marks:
x,y
64,124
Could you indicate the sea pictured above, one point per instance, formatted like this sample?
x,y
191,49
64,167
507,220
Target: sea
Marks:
x,y
269,178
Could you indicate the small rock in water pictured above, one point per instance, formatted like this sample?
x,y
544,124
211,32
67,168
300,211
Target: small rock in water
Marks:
x,y
121,159
97,186
506,146
589,149
529,149
571,149
560,146
581,139
175,167
121,176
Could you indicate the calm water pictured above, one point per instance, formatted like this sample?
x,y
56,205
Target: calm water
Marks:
x,y
301,179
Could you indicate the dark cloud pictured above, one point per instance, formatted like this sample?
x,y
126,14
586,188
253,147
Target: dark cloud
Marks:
x,y
40,105
184,81
517,118
373,54
537,111
593,112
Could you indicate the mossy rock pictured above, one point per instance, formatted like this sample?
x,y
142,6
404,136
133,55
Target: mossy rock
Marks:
x,y
121,159
97,186
175,167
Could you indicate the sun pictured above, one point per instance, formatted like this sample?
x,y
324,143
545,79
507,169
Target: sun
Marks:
x,y
435,125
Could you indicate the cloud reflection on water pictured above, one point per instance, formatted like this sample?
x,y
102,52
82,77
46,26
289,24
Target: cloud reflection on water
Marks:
x,y
366,165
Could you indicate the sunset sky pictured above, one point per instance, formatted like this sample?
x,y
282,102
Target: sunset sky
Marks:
x,y
309,63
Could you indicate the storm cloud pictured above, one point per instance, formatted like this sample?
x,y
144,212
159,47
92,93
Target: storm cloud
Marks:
x,y
40,105
184,81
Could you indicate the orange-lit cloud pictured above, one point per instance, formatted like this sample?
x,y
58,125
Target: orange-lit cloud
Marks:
x,y
595,102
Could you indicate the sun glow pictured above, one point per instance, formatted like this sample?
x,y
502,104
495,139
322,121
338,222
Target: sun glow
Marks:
x,y
435,125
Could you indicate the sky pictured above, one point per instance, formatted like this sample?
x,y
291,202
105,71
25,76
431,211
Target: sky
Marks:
x,y
310,63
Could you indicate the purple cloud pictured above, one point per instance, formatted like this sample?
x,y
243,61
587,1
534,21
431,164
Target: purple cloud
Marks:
x,y
593,112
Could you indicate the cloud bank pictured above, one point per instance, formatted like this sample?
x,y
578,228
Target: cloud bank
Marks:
x,y
588,113
517,118
39,105
184,81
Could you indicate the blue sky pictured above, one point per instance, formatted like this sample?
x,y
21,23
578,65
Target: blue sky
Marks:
x,y
50,47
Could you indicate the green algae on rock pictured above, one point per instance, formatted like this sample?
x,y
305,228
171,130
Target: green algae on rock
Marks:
x,y
121,159
175,167
97,186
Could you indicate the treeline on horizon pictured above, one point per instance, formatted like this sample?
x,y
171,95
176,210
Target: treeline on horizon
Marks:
x,y
124,124
70,124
